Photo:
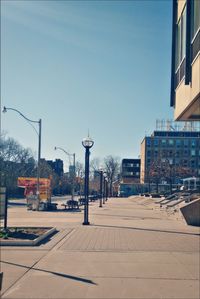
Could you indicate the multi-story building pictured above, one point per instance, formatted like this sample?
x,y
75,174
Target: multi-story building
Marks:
x,y
57,166
185,66
169,156
130,170
130,177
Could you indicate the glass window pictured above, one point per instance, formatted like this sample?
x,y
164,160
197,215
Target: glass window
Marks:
x,y
148,141
186,142
163,141
195,16
193,152
178,44
171,141
183,35
178,142
181,39
193,142
156,142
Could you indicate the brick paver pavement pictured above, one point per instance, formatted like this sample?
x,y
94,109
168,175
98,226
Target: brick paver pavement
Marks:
x,y
132,249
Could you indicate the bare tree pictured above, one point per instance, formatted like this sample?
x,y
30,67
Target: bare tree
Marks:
x,y
15,161
95,164
79,169
112,168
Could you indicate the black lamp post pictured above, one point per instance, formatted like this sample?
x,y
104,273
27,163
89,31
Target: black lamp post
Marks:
x,y
104,187
87,143
101,188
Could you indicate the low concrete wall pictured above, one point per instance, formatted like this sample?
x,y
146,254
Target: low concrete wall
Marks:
x,y
191,212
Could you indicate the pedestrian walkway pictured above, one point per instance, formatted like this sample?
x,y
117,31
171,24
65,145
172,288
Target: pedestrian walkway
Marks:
x,y
131,249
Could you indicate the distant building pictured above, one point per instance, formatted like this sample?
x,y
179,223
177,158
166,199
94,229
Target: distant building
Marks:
x,y
130,170
57,166
71,170
130,177
185,66
167,156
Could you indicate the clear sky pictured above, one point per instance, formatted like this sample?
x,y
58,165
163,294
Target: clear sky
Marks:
x,y
79,65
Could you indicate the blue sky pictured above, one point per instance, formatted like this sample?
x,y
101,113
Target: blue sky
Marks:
x,y
79,65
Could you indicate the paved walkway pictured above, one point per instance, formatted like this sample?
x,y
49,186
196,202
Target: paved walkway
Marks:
x,y
132,249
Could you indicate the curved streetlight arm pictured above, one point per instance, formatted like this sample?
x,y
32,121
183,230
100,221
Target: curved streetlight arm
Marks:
x,y
60,148
26,118
5,110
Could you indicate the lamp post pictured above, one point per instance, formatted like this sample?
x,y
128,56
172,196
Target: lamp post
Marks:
x,y
74,167
39,122
101,188
104,187
87,143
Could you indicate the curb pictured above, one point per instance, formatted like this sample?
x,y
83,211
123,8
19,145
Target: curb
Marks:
x,y
28,242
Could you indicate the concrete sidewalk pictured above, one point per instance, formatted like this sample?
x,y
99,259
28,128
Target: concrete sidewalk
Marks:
x,y
132,249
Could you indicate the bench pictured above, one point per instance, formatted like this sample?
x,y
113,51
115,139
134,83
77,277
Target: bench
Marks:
x,y
71,204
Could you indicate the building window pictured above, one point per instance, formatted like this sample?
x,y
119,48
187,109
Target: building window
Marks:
x,y
148,142
128,164
193,153
195,17
193,143
171,142
178,142
155,142
148,153
186,142
181,39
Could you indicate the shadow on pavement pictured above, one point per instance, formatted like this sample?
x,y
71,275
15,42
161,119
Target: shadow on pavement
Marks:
x,y
81,279
10,203
65,210
148,229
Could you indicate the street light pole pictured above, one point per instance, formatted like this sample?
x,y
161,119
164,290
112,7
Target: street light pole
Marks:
x,y
74,168
74,175
39,157
39,147
104,187
87,143
101,188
